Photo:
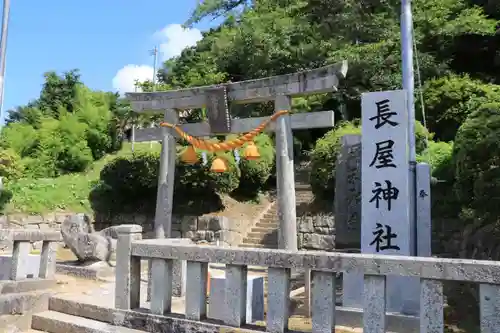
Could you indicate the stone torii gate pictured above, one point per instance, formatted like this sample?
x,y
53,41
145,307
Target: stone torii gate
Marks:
x,y
215,98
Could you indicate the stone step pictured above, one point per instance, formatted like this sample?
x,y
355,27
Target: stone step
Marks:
x,y
25,303
303,194
259,246
10,287
57,322
259,241
14,323
261,230
260,235
273,225
269,220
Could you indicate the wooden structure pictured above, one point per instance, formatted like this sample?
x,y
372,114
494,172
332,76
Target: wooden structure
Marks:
x,y
278,88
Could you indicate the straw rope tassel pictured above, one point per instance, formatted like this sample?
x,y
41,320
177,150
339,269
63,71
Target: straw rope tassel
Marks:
x,y
226,145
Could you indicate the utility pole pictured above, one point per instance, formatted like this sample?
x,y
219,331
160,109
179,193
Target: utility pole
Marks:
x,y
3,49
132,134
154,53
409,86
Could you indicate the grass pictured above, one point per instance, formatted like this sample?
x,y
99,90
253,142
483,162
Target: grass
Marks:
x,y
66,193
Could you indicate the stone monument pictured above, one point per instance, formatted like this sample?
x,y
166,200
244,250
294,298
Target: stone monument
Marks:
x,y
348,193
86,244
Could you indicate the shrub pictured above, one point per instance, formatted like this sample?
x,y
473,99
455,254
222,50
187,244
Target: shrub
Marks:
x,y
93,109
476,156
254,174
324,155
132,177
449,100
223,182
422,135
5,197
10,165
324,159
443,201
439,156
61,148
20,137
125,179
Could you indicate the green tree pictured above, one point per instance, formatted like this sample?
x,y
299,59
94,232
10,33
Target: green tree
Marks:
x,y
450,99
270,37
58,92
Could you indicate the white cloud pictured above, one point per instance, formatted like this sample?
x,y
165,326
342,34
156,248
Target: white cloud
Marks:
x,y
124,80
172,39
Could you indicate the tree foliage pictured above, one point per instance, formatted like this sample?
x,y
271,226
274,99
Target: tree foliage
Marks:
x,y
476,155
65,129
456,43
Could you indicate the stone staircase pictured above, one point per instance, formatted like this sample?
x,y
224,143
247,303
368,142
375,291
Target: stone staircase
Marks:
x,y
60,322
21,300
264,233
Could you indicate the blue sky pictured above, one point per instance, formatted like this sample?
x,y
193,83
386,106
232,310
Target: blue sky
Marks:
x,y
107,40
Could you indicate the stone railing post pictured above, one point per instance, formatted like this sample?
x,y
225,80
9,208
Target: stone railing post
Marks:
x,y
48,260
20,262
128,268
20,253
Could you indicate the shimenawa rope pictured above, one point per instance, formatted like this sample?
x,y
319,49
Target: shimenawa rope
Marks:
x,y
226,145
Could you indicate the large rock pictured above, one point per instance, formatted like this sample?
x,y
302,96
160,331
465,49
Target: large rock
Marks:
x,y
74,224
111,232
93,247
87,245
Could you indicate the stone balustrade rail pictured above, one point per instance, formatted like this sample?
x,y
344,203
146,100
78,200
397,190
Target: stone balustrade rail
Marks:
x,y
431,271
21,249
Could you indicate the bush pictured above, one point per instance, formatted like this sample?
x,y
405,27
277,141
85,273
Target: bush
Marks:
x,y
422,135
223,182
254,174
125,179
439,156
191,178
324,155
61,148
443,201
20,137
10,165
476,156
93,109
449,100
324,159
5,197
132,177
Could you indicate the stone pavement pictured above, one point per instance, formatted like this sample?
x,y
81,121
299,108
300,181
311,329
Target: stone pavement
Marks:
x,y
103,292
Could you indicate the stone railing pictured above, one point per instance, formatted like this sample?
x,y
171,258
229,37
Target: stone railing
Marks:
x,y
21,261
324,266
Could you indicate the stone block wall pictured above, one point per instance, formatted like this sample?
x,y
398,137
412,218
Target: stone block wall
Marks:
x,y
316,232
207,228
50,221
210,229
